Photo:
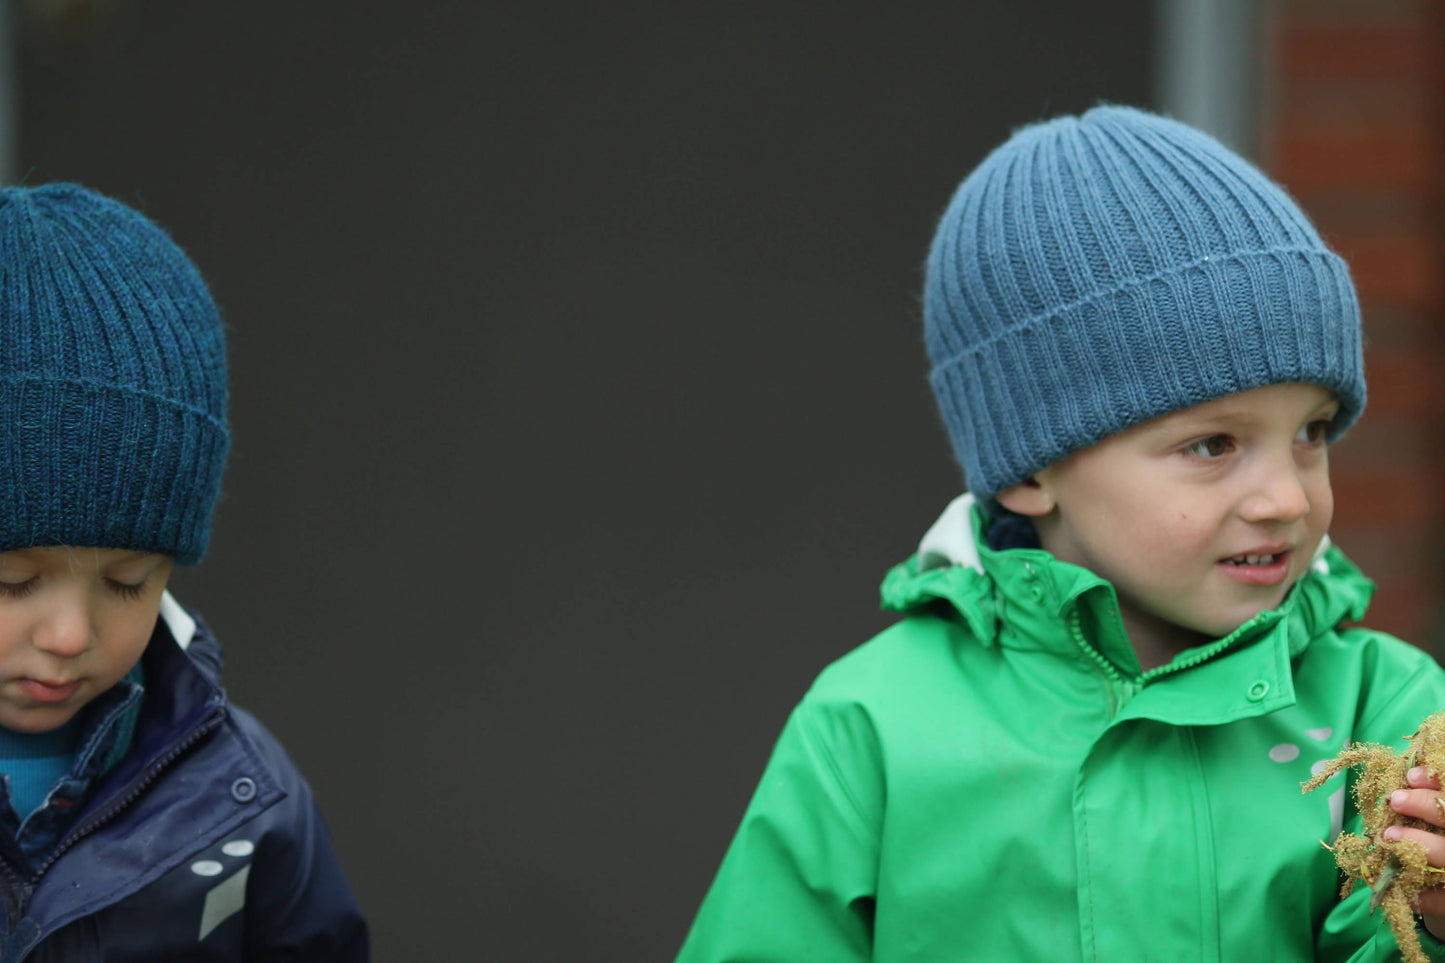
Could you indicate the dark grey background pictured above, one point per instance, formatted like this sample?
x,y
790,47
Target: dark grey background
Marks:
x,y
579,396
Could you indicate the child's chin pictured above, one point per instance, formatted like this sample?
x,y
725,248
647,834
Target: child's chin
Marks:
x,y
34,723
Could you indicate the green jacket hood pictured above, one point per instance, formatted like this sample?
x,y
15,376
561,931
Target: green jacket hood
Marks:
x,y
955,565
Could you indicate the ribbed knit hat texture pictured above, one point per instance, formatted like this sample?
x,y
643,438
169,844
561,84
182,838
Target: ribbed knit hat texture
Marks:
x,y
112,379
1098,271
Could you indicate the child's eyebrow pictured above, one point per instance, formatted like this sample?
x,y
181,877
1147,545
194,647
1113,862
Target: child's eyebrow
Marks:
x,y
130,557
101,560
1206,420
1233,417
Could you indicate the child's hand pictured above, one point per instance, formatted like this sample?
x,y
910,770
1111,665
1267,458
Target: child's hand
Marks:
x,y
1424,801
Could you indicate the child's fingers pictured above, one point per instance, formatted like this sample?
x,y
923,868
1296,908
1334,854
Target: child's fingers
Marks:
x,y
1419,777
1432,903
1432,843
1423,804
1426,802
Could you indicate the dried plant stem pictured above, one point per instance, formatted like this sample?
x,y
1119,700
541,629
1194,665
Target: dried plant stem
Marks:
x,y
1396,870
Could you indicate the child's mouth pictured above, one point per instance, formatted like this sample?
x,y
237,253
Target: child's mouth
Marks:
x,y
1251,560
47,692
1268,569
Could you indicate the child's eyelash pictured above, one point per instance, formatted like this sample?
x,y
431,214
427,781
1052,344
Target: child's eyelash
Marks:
x,y
126,590
1213,446
17,590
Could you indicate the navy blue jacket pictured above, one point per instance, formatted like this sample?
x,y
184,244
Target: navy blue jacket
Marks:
x,y
203,844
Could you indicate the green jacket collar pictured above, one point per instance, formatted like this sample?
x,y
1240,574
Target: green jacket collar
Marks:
x,y
1026,597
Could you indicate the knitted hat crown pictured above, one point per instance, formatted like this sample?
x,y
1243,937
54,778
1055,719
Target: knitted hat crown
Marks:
x,y
112,379
1095,272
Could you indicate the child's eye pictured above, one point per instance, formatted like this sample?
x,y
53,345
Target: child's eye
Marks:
x,y
18,590
1212,447
1314,433
126,590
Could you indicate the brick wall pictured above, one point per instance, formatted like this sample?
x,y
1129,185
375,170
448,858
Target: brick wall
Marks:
x,y
1353,124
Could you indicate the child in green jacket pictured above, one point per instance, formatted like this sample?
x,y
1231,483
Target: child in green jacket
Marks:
x,y
1122,652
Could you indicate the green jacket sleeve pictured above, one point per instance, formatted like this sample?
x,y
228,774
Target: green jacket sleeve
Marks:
x,y
1352,918
798,881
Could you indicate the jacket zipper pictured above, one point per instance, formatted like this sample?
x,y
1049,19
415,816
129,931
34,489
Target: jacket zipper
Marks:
x,y
1120,689
18,897
207,726
1204,654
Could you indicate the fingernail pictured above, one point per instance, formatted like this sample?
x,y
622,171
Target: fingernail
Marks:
x,y
1398,797
1416,774
1391,833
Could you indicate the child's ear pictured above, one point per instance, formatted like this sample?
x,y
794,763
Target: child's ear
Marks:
x,y
1028,497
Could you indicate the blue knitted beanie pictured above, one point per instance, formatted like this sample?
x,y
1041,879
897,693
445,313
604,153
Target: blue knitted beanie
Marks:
x,y
112,379
1098,271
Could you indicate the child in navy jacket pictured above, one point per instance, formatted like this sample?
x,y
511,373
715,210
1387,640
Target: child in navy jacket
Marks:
x,y
142,817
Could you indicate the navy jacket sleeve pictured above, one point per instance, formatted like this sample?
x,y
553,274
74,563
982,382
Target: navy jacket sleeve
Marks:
x,y
298,904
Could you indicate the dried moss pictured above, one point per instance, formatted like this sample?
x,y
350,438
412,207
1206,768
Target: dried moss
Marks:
x,y
1395,869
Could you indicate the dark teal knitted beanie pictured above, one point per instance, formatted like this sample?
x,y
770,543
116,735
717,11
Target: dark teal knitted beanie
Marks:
x,y
1098,271
112,379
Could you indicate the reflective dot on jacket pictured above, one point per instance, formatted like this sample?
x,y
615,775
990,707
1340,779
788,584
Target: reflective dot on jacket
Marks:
x,y
239,847
1284,752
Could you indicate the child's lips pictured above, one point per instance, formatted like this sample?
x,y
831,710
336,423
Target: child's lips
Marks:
x,y
1257,568
48,691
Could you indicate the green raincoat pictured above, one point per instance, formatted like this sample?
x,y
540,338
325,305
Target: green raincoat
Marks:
x,y
993,778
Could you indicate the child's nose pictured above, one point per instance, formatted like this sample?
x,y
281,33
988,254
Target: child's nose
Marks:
x,y
1279,496
64,631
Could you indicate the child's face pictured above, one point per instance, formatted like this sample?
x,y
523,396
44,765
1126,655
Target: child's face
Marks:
x,y
1205,517
73,622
